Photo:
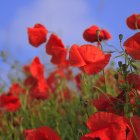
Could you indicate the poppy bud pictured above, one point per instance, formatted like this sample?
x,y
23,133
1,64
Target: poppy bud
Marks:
x,y
120,63
120,37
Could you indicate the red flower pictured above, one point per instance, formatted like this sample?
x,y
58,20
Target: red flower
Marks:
x,y
26,69
134,123
54,77
9,103
104,103
90,34
89,58
16,90
41,133
36,68
133,21
37,35
56,49
38,87
132,46
108,126
134,81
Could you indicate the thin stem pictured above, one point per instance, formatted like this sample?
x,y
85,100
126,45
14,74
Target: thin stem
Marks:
x,y
103,69
134,130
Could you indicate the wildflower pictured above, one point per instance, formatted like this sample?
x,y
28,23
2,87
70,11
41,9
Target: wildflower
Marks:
x,y
41,133
132,46
95,34
133,21
89,58
37,35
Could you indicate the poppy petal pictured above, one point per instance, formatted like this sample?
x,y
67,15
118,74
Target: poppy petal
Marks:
x,y
37,35
75,57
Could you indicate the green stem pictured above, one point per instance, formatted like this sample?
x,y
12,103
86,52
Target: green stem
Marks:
x,y
134,130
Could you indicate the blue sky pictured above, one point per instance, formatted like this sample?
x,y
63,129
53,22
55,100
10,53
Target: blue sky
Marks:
x,y
67,18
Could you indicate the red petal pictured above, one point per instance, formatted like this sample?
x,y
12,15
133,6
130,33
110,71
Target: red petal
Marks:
x,y
75,57
106,35
53,44
91,53
37,35
132,46
108,125
36,68
96,67
132,20
90,34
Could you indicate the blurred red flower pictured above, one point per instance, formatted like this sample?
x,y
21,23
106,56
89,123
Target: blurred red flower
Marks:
x,y
41,133
36,68
132,46
9,103
108,126
37,35
78,79
90,34
104,102
54,77
56,49
36,82
16,89
134,81
89,58
38,89
133,21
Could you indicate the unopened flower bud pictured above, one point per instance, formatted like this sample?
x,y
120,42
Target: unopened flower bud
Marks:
x,y
120,37
120,63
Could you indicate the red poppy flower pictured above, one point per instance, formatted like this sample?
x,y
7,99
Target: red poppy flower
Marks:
x,y
16,90
132,46
9,103
108,126
54,77
37,35
134,123
56,49
134,81
96,67
38,89
89,58
133,21
90,34
104,103
36,68
41,133
26,69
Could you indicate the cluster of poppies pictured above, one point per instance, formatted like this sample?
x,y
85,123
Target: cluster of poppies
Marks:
x,y
117,110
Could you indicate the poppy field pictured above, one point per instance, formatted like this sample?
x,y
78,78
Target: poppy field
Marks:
x,y
84,97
